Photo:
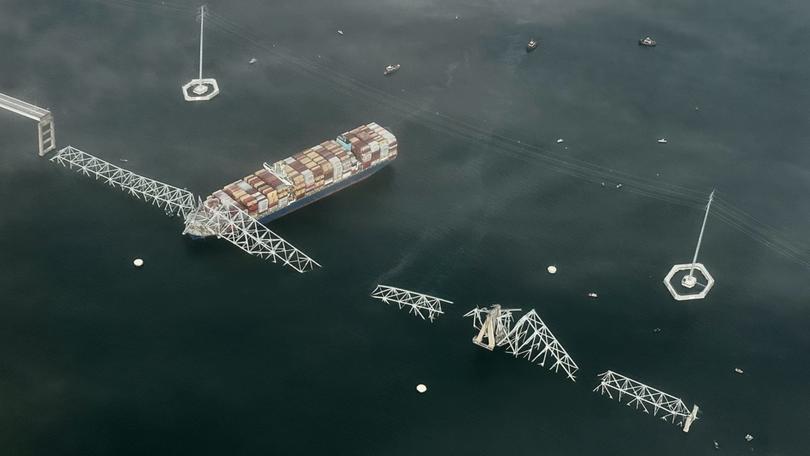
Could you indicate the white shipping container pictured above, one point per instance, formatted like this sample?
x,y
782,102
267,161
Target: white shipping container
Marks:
x,y
374,146
309,178
337,168
283,202
263,205
384,151
245,186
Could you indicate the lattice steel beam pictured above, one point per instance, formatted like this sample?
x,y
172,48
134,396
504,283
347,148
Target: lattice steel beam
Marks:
x,y
647,398
530,338
493,324
418,304
173,200
225,220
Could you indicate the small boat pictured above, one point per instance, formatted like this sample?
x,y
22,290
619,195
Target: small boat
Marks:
x,y
252,61
647,41
532,45
593,295
738,370
662,141
391,69
340,32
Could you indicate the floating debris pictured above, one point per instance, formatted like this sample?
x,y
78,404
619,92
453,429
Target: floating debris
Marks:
x,y
662,141
391,69
124,160
340,32
603,184
560,140
252,61
138,262
421,388
657,330
456,17
647,41
716,445
532,45
738,370
552,269
593,295
749,437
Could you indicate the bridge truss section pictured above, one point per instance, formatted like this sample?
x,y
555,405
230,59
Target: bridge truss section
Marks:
x,y
418,304
647,398
229,222
493,325
530,338
46,133
173,200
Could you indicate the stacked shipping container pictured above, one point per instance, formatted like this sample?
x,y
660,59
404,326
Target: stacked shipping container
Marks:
x,y
311,171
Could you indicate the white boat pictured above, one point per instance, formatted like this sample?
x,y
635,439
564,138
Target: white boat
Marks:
x,y
391,69
252,61
340,32
662,141
593,295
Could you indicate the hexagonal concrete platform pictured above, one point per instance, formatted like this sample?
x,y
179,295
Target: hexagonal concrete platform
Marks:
x,y
689,282
200,89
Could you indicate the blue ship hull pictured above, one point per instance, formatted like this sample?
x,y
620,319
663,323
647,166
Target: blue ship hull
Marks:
x,y
349,181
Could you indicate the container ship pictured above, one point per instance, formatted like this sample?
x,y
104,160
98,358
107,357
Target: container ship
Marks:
x,y
277,189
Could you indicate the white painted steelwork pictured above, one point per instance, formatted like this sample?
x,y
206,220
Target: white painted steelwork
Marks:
x,y
46,133
173,200
689,281
224,220
530,338
418,304
201,89
647,398
493,324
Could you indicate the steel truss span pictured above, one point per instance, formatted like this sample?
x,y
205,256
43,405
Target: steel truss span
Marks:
x,y
530,338
173,200
240,229
418,304
493,324
647,398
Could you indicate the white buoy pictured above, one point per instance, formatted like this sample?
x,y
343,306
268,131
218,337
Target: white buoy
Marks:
x,y
138,262
552,269
421,388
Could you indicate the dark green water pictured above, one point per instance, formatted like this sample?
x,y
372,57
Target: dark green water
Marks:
x,y
208,351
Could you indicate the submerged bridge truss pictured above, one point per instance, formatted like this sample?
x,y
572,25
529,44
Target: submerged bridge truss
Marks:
x,y
530,338
236,226
173,200
646,398
419,304
227,221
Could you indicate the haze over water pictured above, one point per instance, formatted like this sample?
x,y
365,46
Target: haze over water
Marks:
x,y
206,350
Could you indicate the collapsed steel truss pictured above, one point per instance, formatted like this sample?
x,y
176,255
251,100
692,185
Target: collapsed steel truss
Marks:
x,y
530,338
224,221
493,324
236,226
417,303
173,200
646,398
